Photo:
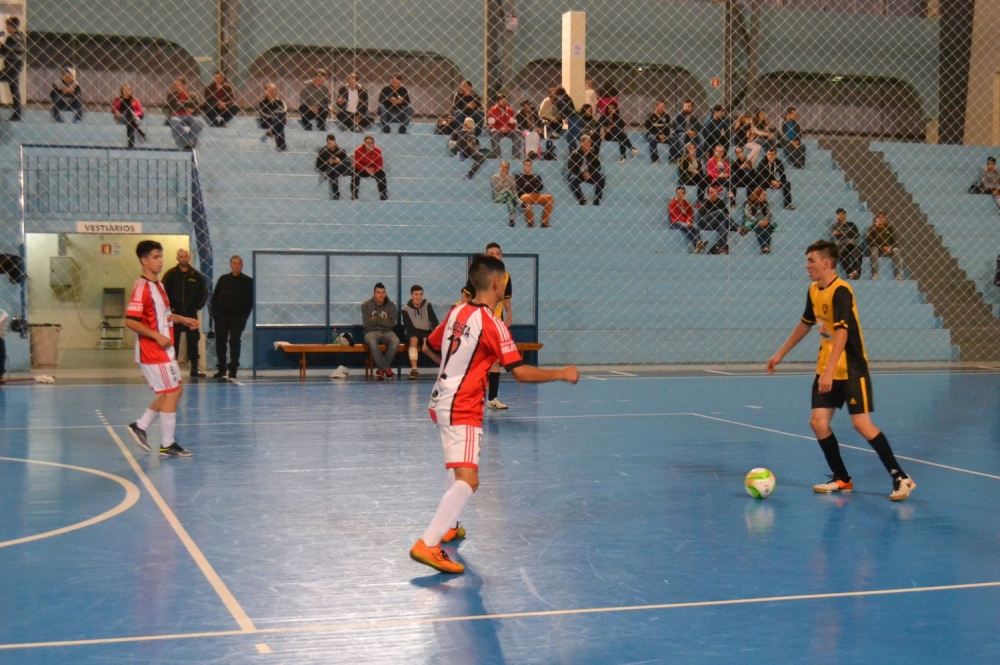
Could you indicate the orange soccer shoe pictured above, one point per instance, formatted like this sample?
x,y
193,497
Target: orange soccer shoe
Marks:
x,y
435,557
457,532
835,485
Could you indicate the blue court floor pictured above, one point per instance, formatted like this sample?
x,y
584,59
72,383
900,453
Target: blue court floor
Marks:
x,y
611,526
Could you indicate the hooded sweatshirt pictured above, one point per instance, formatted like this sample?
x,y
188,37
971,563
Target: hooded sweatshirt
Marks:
x,y
419,321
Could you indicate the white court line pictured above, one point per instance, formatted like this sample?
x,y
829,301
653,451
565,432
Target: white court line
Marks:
x,y
614,371
232,380
595,378
715,371
751,406
844,445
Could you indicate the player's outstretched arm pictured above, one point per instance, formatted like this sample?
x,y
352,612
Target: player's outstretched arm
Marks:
x,y
798,333
529,374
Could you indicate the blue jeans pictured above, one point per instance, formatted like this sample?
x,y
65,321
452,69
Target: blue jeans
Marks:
x,y
654,143
596,179
716,221
383,361
66,103
185,129
690,231
388,115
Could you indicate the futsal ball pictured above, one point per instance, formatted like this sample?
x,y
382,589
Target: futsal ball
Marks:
x,y
759,483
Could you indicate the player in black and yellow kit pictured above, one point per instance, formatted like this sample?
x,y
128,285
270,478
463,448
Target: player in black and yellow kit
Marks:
x,y
841,371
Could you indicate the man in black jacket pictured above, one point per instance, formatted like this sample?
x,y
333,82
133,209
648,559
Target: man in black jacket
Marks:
x,y
334,164
770,174
232,303
585,167
12,52
657,127
188,293
394,105
352,106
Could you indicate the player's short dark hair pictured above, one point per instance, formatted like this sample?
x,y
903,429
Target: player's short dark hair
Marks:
x,y
147,247
826,247
482,269
491,245
14,22
379,285
416,287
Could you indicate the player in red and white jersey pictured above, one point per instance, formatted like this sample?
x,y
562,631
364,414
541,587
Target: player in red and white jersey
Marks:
x,y
149,316
469,341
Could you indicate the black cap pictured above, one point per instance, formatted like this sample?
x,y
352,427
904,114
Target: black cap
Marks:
x,y
841,210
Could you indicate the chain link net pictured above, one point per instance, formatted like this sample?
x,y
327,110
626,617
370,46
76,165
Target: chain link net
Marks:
x,y
874,82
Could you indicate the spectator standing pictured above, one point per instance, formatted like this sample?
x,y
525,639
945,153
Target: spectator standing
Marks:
x,y
771,175
220,101
590,93
467,144
847,236
791,139
757,218
315,102
570,119
714,216
394,105
681,214
687,129
333,163
378,314
657,128
352,106
272,115
989,181
232,303
613,129
468,105
881,241
529,191
505,191
128,110
584,167
548,112
609,96
66,96
743,135
716,130
368,163
690,172
180,109
502,123
12,52
188,293
419,320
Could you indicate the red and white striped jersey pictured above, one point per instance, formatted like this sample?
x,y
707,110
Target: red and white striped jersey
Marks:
x,y
149,305
469,340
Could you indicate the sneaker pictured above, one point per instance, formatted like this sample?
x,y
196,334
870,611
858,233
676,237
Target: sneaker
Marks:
x,y
496,404
379,375
221,374
388,373
854,275
414,374
622,160
174,450
435,558
139,435
834,485
765,250
402,129
900,278
874,278
635,151
790,207
700,247
510,221
457,532
901,488
469,176
264,137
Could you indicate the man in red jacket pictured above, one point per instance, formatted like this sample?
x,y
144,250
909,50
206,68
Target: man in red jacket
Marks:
x,y
501,120
368,164
682,218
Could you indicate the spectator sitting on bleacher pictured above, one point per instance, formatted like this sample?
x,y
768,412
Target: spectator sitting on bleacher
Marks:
x,y
757,218
716,130
584,167
272,114
742,170
690,172
368,163
505,191
220,101
714,216
467,145
771,175
315,102
394,105
127,110
613,129
502,122
419,320
566,110
352,106
681,214
378,315
846,235
609,96
333,163
657,128
744,136
527,117
687,129
180,108
881,241
791,139
989,181
548,112
719,173
66,96
467,104
529,190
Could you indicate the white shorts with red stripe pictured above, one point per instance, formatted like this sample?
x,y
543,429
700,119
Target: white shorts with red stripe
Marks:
x,y
461,445
163,377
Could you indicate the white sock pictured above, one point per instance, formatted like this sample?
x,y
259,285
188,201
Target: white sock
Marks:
x,y
168,422
449,480
449,509
147,419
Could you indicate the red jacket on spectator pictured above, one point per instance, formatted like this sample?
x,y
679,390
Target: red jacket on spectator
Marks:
x,y
713,170
501,119
116,106
366,159
681,212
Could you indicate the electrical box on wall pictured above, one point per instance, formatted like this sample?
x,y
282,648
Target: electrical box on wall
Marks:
x,y
61,270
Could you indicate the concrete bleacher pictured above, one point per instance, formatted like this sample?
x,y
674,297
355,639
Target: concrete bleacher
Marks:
x,y
613,272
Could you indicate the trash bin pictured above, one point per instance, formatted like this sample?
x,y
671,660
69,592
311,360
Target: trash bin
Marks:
x,y
44,344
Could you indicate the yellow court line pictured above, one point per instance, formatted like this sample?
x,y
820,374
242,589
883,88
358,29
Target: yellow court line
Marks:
x,y
213,578
131,497
418,621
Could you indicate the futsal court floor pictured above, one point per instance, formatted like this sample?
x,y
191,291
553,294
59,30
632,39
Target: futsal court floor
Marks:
x,y
611,525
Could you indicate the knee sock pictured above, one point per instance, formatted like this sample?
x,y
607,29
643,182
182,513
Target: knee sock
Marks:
x,y
881,446
168,422
494,385
448,511
831,450
449,480
147,420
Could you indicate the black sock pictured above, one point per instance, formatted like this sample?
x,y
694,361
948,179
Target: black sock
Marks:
x,y
881,446
831,450
494,385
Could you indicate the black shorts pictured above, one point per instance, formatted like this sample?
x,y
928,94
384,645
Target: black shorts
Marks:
x,y
856,393
421,335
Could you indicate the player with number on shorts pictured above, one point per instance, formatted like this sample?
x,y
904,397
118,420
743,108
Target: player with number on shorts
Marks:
x,y
149,317
466,344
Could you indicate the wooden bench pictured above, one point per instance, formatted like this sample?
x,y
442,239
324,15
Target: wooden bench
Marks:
x,y
303,349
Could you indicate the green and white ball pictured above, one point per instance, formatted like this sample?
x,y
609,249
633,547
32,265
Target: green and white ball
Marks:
x,y
759,483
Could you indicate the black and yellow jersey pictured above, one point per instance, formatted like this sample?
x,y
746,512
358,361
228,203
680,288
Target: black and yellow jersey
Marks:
x,y
508,291
833,308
